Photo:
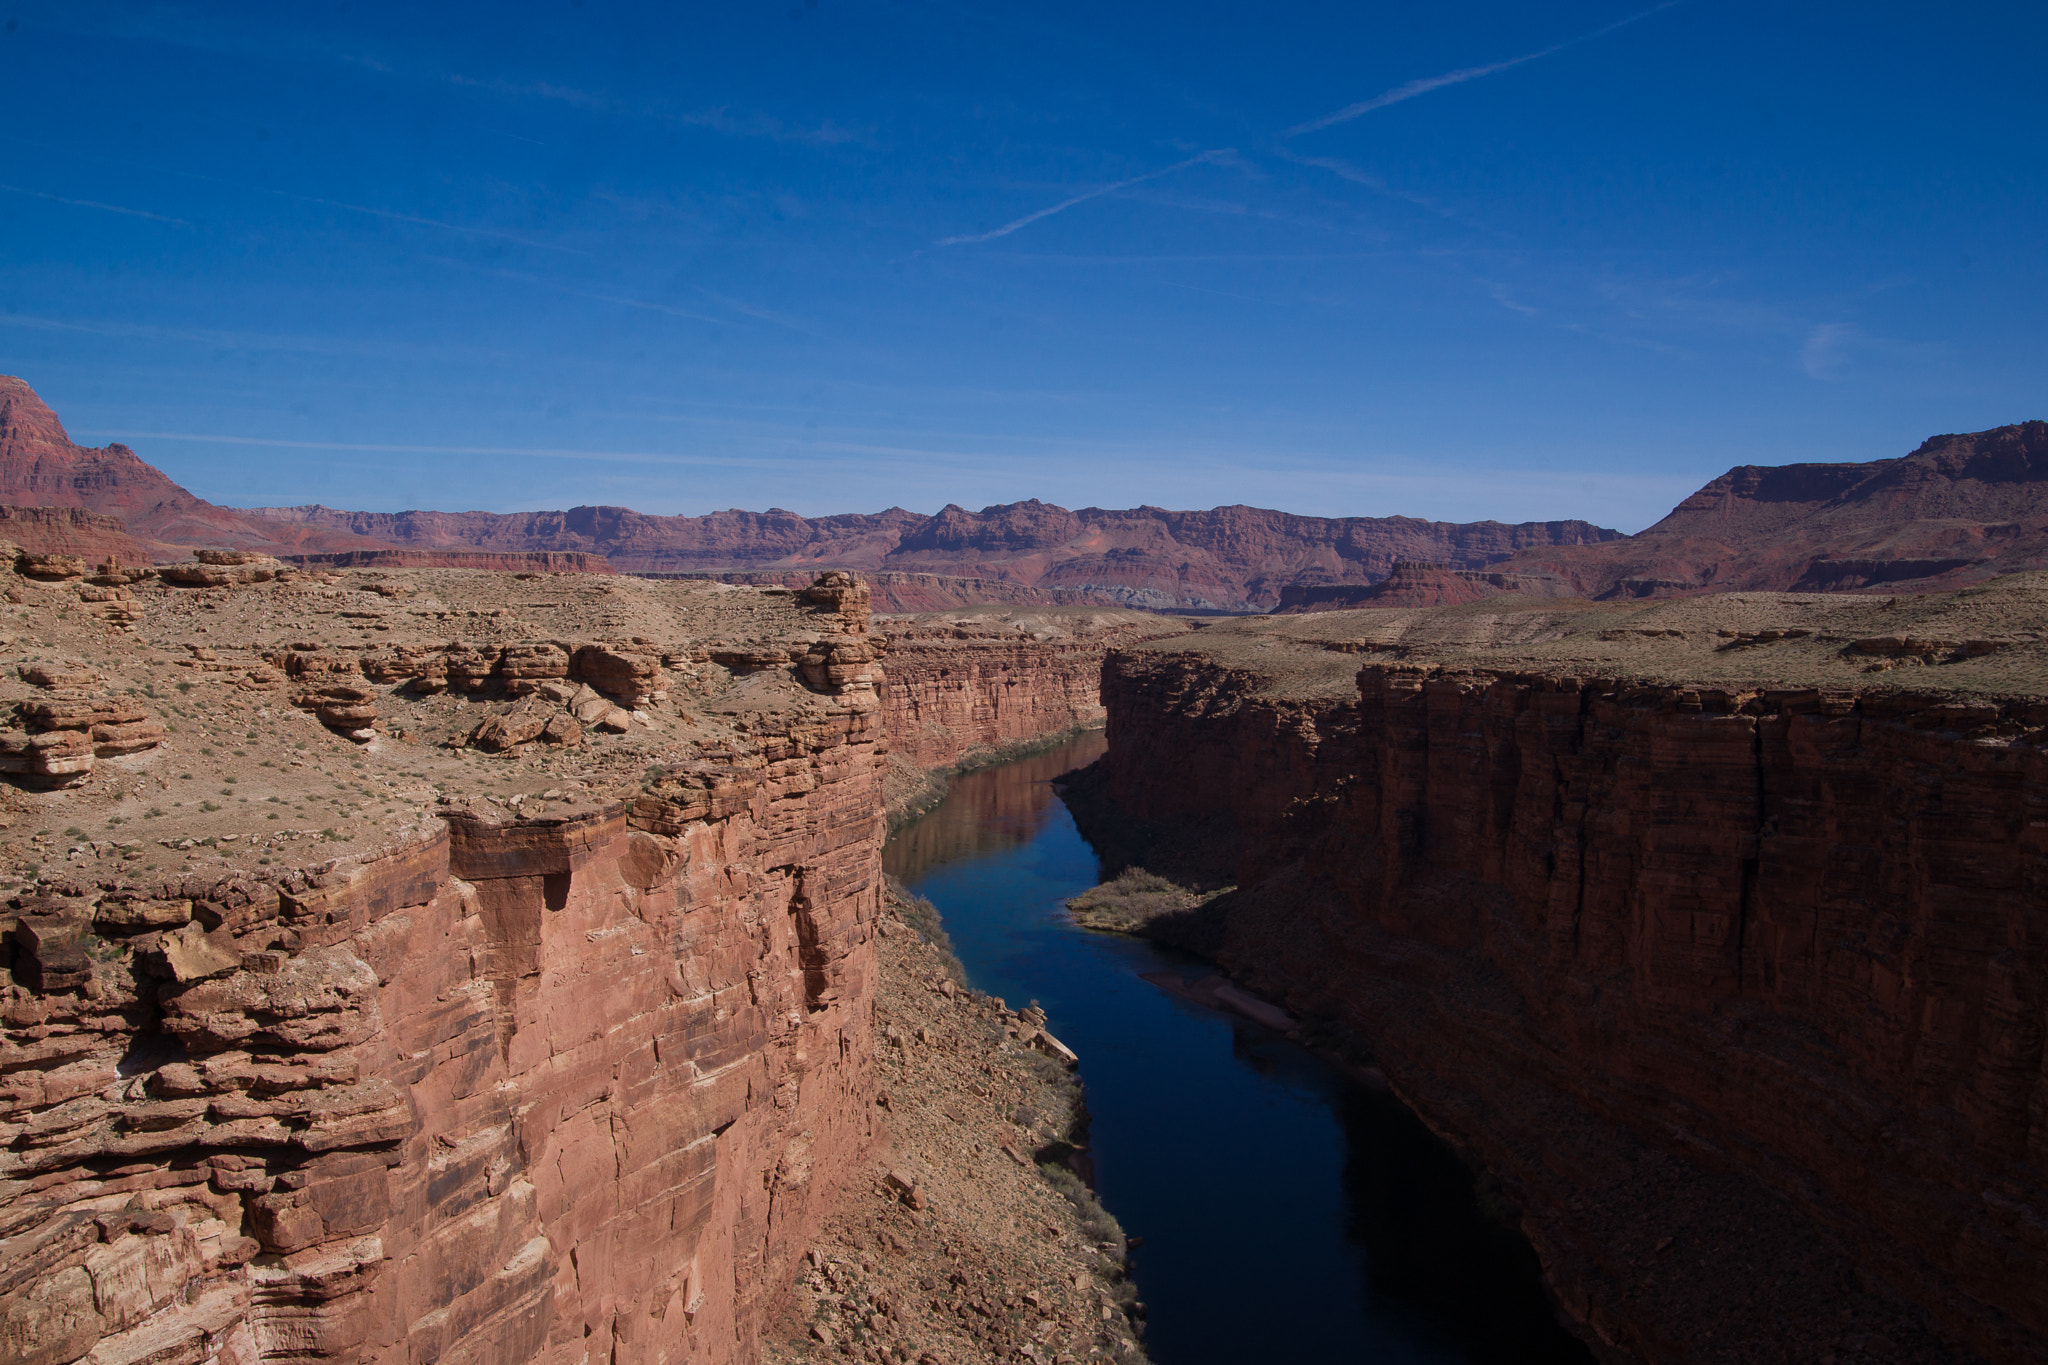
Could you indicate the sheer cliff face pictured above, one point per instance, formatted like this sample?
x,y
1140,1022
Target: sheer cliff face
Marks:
x,y
555,1075
1790,940
966,681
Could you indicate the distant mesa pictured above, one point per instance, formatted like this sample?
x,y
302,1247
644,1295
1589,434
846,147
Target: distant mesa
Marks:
x,y
1959,509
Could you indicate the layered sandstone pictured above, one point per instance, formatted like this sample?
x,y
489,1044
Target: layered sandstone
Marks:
x,y
71,531
961,683
554,1055
529,561
1222,559
909,594
1722,955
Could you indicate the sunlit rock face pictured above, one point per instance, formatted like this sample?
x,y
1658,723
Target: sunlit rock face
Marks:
x,y
566,1065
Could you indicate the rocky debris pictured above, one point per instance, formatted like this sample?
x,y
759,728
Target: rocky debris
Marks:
x,y
974,1239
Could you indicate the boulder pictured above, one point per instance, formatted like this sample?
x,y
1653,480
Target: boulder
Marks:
x,y
587,705
113,738
137,916
469,667
59,676
49,951
521,725
630,672
524,667
51,567
192,954
56,758
348,707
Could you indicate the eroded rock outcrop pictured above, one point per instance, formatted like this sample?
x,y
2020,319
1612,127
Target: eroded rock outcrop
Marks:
x,y
528,1074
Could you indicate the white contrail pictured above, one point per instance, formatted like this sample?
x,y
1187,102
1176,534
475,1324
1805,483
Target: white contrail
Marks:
x,y
93,204
1030,218
1471,73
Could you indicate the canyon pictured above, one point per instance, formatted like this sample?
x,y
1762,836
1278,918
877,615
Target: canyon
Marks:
x,y
1710,927
412,964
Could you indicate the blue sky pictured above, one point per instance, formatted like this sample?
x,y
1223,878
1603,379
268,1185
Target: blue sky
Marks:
x,y
1454,260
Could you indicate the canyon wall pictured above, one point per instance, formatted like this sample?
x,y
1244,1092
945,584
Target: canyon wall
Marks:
x,y
959,683
549,1076
536,561
1740,993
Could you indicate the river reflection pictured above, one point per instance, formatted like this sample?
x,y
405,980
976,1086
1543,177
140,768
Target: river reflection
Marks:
x,y
1287,1213
992,811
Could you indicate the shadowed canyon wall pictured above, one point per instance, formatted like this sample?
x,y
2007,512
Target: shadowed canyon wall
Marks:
x,y
564,1085
1733,989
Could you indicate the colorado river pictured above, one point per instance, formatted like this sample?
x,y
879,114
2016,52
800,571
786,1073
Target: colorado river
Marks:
x,y
1286,1212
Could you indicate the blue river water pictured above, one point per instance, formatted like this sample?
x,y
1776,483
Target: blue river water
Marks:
x,y
1286,1212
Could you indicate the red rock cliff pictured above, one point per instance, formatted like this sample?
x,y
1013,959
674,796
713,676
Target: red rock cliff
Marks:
x,y
958,682
1740,993
567,1085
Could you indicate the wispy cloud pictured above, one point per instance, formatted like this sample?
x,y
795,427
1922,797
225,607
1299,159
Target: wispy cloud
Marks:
x,y
1501,297
721,119
1826,350
390,214
1344,170
539,453
1402,93
1028,219
95,204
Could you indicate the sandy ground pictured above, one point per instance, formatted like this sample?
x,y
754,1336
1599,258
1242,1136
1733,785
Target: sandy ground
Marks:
x,y
971,1240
